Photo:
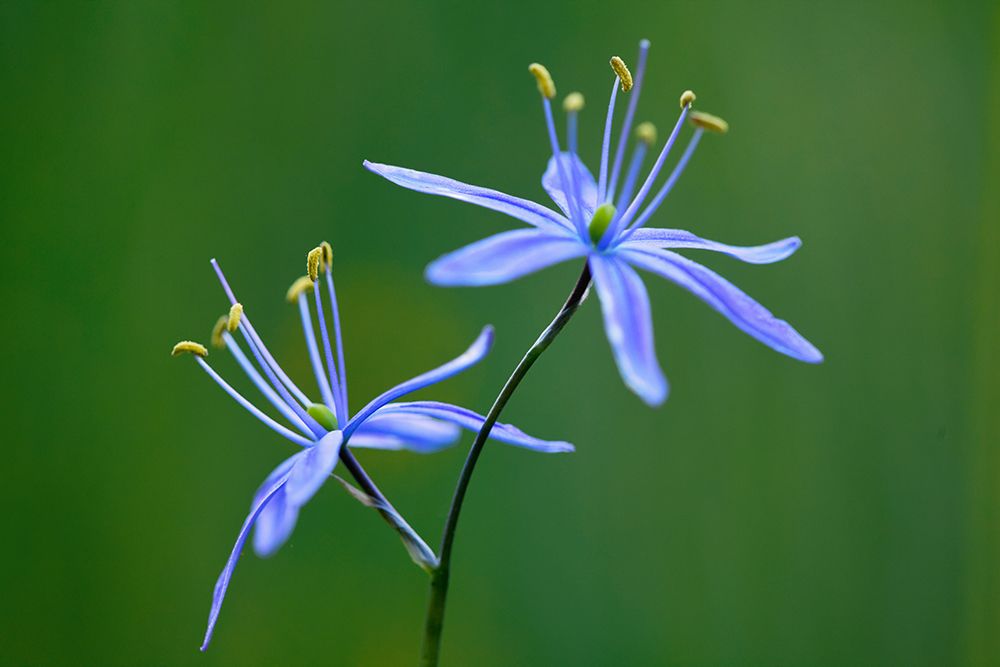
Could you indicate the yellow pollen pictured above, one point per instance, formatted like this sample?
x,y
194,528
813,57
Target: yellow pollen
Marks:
x,y
546,86
687,97
235,313
327,254
313,260
707,121
303,284
646,133
618,65
573,102
220,326
189,347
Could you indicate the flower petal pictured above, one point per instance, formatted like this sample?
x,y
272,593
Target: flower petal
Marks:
x,y
472,421
404,431
274,525
678,238
312,468
479,349
629,327
502,258
277,519
515,207
218,595
726,298
584,183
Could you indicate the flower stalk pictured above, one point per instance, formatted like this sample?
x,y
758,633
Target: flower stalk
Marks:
x,y
440,575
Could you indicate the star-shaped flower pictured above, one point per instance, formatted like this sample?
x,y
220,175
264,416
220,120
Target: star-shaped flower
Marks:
x,y
324,429
607,225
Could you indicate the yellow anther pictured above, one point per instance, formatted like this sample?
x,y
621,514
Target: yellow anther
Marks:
x,y
646,133
220,326
573,102
303,284
546,86
707,121
189,347
687,98
327,254
625,76
235,313
313,260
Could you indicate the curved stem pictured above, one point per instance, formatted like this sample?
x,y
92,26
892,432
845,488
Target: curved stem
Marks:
x,y
439,577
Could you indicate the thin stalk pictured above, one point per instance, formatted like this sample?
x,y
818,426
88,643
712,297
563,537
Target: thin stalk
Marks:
x,y
439,577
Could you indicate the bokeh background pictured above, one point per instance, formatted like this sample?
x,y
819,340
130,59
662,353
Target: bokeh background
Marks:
x,y
770,513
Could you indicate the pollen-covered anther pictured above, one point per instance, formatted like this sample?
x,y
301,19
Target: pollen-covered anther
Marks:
x,y
546,86
573,103
217,331
235,313
189,347
313,260
303,284
687,98
327,254
646,133
707,121
621,69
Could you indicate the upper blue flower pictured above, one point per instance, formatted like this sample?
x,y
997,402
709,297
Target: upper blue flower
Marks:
x,y
323,428
607,225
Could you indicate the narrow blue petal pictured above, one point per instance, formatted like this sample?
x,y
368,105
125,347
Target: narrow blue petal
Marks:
x,y
629,326
219,594
404,431
584,181
479,349
503,257
472,421
277,519
515,207
312,468
726,298
274,525
678,238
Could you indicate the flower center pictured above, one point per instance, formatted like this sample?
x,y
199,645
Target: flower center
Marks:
x,y
323,415
603,216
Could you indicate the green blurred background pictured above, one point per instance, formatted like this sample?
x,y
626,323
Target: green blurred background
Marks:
x,y
770,513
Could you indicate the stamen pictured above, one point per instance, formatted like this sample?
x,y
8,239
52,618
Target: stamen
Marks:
x,y
628,187
633,208
313,349
270,423
687,98
313,260
546,86
235,313
573,103
303,284
646,133
621,69
633,102
327,254
331,369
707,121
279,379
606,144
574,208
217,330
338,337
189,347
234,348
668,186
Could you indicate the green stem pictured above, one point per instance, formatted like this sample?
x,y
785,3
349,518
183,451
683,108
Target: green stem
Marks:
x,y
439,577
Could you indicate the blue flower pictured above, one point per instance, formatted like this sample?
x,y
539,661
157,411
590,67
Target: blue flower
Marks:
x,y
322,429
607,225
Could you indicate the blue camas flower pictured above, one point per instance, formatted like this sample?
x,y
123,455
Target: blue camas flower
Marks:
x,y
322,429
607,225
